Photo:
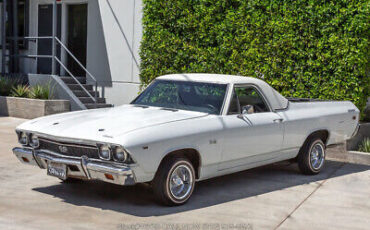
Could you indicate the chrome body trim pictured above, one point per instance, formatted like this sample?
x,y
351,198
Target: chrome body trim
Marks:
x,y
24,154
58,139
81,145
90,159
84,162
356,130
77,143
78,167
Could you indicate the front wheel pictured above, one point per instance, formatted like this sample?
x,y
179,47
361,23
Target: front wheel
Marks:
x,y
311,158
174,182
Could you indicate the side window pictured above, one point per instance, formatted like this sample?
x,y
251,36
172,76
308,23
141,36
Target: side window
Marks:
x,y
234,105
249,96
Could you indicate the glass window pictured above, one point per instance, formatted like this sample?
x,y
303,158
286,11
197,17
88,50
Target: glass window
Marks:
x,y
193,96
248,96
23,20
234,105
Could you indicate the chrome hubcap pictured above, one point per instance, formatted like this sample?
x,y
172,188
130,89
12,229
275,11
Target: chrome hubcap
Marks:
x,y
317,156
181,182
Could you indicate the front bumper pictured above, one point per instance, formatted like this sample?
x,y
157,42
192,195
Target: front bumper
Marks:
x,y
78,167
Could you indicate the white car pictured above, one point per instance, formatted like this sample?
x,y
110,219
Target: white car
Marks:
x,y
185,128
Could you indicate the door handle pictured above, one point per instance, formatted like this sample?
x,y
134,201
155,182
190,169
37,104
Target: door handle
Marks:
x,y
278,120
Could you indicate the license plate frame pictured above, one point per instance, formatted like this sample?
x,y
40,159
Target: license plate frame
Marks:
x,y
57,170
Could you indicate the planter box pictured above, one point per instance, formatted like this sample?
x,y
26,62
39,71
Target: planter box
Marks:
x,y
346,152
340,153
363,132
31,108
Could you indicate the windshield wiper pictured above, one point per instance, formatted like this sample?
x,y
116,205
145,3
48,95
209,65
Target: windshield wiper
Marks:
x,y
170,109
141,106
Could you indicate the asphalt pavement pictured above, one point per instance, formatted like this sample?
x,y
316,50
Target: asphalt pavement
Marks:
x,y
270,197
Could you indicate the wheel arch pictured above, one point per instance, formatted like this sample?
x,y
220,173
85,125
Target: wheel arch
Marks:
x,y
191,154
303,155
323,134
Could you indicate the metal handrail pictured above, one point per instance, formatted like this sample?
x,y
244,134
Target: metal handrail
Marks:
x,y
95,98
83,67
78,82
78,62
28,56
46,37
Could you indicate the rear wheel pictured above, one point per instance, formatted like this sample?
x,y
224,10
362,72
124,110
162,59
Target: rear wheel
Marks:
x,y
174,182
311,158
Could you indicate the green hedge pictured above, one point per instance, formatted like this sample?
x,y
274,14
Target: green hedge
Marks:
x,y
312,48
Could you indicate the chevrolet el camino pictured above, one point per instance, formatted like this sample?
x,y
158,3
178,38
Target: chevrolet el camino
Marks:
x,y
185,128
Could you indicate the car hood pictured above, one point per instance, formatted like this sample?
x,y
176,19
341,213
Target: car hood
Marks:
x,y
105,124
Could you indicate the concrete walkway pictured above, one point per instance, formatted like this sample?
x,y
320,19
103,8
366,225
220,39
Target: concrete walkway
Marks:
x,y
271,197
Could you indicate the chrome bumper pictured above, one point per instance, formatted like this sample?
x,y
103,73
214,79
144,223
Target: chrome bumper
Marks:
x,y
77,167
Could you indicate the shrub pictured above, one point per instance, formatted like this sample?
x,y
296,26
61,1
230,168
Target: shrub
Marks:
x,y
303,48
41,92
365,145
6,85
20,91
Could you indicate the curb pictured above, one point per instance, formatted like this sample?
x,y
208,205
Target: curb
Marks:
x,y
354,157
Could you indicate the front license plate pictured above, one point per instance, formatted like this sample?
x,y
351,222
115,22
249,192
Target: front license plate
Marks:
x,y
57,170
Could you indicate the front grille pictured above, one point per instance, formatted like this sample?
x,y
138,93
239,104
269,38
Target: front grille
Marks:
x,y
69,149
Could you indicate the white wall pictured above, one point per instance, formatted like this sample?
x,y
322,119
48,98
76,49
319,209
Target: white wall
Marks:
x,y
114,35
122,28
97,59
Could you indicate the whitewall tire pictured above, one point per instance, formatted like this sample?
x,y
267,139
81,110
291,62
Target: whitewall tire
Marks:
x,y
174,182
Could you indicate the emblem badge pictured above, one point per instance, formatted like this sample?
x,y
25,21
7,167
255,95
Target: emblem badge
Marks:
x,y
63,149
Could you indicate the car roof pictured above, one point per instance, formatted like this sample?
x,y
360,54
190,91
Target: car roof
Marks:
x,y
211,78
276,100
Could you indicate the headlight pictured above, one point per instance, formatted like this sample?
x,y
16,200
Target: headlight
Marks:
x,y
119,154
34,141
104,152
23,138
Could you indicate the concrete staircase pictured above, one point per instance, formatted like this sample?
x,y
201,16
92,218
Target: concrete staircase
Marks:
x,y
82,95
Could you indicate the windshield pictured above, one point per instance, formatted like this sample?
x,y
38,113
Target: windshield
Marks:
x,y
193,96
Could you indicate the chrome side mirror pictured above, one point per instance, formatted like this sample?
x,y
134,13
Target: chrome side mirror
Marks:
x,y
247,109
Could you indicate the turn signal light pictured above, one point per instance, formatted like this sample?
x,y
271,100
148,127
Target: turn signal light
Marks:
x,y
109,176
25,160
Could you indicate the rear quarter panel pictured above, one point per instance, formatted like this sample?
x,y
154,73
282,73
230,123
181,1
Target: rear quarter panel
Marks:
x,y
302,119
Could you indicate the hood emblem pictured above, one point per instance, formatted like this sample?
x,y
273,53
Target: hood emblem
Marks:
x,y
63,149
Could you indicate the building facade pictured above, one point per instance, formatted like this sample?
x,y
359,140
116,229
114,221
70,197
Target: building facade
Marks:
x,y
103,35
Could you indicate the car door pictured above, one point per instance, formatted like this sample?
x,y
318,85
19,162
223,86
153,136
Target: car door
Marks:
x,y
253,137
